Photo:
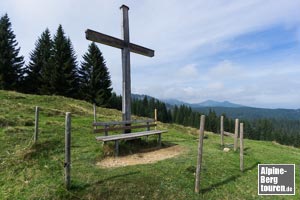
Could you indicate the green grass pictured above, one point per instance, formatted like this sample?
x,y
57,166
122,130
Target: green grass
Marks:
x,y
35,171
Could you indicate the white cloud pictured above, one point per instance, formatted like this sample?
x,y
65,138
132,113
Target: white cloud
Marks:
x,y
223,75
178,32
224,69
215,86
188,71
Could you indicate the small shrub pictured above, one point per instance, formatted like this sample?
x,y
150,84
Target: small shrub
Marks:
x,y
28,122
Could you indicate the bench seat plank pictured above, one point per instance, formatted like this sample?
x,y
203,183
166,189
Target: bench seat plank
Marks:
x,y
129,135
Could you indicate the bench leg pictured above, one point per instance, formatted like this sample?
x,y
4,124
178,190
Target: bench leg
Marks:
x,y
116,148
106,132
159,139
147,138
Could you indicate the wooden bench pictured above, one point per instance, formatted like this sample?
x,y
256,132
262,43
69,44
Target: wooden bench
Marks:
x,y
126,125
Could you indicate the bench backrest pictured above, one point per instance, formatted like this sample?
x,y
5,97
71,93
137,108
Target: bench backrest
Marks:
x,y
123,125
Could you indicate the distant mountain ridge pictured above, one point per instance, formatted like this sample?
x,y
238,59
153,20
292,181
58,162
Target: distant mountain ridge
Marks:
x,y
211,103
208,103
232,110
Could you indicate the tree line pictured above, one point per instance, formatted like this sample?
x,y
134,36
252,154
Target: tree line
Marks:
x,y
282,131
52,67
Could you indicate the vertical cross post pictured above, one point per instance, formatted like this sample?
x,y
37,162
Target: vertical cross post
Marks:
x,y
116,148
106,131
222,130
242,147
126,82
68,151
159,140
200,152
236,134
126,48
36,124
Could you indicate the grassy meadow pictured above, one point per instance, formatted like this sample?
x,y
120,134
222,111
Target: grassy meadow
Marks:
x,y
36,171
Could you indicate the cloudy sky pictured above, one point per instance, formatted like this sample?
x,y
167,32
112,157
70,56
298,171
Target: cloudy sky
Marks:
x,y
246,52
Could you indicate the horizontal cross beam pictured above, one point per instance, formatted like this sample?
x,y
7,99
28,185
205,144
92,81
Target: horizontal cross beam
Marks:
x,y
118,43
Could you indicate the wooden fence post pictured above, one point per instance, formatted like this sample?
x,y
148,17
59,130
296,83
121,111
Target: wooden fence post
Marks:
x,y
200,152
36,126
222,130
95,116
155,117
68,151
242,147
236,134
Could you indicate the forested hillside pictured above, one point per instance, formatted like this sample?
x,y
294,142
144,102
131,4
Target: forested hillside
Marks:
x,y
261,126
250,113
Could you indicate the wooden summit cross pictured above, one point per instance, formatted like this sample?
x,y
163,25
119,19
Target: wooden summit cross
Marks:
x,y
126,48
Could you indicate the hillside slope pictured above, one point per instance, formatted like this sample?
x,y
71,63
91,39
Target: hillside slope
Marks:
x,y
29,171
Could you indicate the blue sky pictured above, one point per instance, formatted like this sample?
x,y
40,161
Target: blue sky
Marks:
x,y
246,52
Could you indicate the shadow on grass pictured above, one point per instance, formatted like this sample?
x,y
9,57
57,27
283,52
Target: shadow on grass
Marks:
x,y
115,177
78,186
135,146
156,147
252,166
228,180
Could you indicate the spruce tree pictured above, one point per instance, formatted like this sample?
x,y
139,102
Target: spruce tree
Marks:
x,y
64,76
94,78
11,63
116,102
39,68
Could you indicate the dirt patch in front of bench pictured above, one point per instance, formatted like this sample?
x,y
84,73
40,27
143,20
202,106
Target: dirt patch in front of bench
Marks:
x,y
142,158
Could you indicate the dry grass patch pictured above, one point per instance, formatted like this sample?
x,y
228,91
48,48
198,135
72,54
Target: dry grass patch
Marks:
x,y
142,158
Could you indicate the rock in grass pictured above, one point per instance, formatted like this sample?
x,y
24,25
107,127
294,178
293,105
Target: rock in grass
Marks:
x,y
226,149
